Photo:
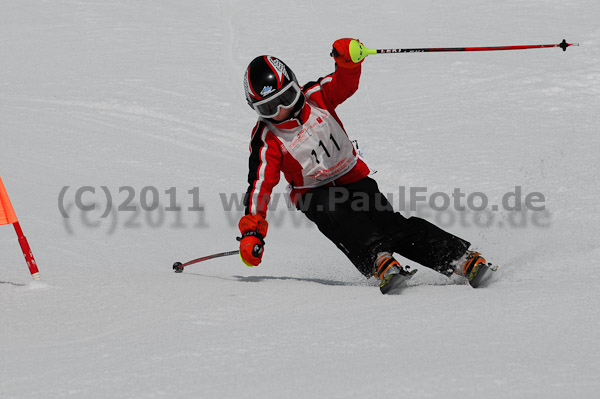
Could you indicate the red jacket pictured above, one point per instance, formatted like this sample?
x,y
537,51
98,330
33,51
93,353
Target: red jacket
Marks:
x,y
291,146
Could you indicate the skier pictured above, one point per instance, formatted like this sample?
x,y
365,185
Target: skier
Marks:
x,y
299,133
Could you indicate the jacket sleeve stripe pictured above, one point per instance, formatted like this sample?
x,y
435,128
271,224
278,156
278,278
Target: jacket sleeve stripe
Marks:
x,y
260,173
312,87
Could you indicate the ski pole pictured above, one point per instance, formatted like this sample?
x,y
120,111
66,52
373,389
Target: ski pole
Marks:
x,y
358,51
178,266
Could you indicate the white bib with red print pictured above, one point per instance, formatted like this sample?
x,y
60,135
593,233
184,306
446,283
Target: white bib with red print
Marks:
x,y
320,146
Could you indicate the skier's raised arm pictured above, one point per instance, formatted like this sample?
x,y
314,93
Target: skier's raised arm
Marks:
x,y
343,83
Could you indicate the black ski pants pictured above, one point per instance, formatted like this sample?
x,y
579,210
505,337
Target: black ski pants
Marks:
x,y
360,221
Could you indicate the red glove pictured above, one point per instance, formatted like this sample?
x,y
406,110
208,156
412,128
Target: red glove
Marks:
x,y
254,230
341,53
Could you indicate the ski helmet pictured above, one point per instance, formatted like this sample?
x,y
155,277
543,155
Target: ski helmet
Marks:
x,y
270,85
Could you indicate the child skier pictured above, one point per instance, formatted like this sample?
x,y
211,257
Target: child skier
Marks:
x,y
299,133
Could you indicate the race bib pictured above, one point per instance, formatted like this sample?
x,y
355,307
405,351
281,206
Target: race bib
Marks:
x,y
321,147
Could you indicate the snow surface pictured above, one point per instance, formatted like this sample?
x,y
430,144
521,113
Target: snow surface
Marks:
x,y
149,93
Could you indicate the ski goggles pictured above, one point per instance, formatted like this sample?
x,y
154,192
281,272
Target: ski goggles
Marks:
x,y
285,98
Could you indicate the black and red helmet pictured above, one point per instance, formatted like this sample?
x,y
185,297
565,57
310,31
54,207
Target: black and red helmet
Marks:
x,y
271,85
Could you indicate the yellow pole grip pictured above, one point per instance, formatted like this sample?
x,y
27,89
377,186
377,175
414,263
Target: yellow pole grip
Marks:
x,y
358,51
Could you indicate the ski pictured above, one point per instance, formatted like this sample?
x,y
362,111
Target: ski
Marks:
x,y
484,276
394,284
